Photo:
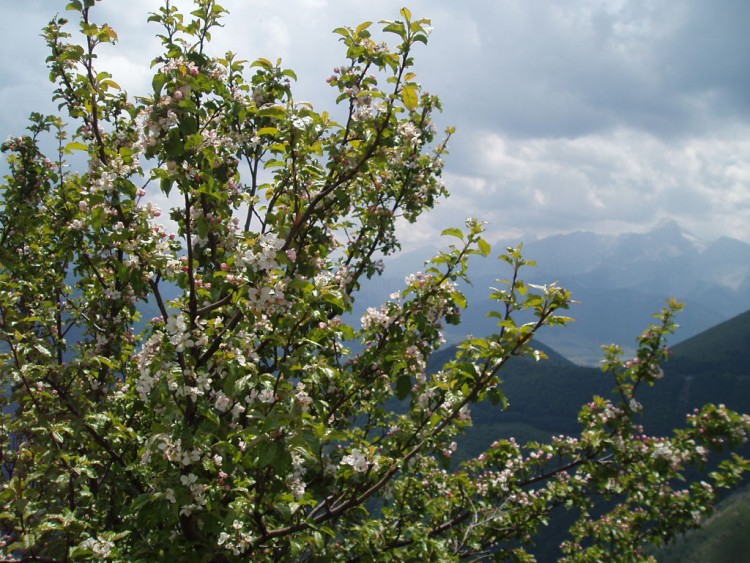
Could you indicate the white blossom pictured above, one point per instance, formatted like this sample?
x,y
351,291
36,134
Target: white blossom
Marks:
x,y
99,547
359,461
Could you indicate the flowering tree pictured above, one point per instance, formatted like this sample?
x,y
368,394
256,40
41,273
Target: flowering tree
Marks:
x,y
252,418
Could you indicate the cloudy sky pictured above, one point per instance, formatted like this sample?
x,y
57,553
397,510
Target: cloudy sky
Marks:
x,y
600,115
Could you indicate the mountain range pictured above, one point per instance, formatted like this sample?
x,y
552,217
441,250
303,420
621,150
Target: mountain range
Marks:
x,y
618,281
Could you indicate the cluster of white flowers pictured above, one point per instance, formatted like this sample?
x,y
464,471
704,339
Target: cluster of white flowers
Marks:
x,y
222,403
375,318
449,451
197,491
359,461
101,548
218,141
609,413
362,109
417,280
302,397
322,280
344,276
264,256
501,481
152,210
416,362
243,346
104,183
103,177
173,451
77,225
543,455
634,405
495,481
437,483
161,257
237,541
157,124
410,134
181,336
266,298
149,368
297,483
569,443
302,122
265,395
663,450
464,414
424,397
182,64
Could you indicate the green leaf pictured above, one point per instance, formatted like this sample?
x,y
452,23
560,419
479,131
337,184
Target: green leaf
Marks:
x,y
42,350
403,386
397,28
453,232
276,112
410,96
166,185
271,131
97,217
262,62
484,247
174,146
266,453
274,164
460,299
110,84
362,27
497,397
158,83
75,146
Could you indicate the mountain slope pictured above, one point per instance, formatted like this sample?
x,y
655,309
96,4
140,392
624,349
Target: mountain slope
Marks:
x,y
723,538
722,348
619,282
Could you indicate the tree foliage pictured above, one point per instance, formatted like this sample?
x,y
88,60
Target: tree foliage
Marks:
x,y
253,417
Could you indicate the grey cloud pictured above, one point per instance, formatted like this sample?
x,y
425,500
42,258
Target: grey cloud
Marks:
x,y
578,114
607,183
572,68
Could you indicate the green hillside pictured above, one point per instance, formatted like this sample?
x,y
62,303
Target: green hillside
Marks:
x,y
545,398
723,538
712,367
723,348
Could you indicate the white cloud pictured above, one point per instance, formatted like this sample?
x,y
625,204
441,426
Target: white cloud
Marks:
x,y
625,180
